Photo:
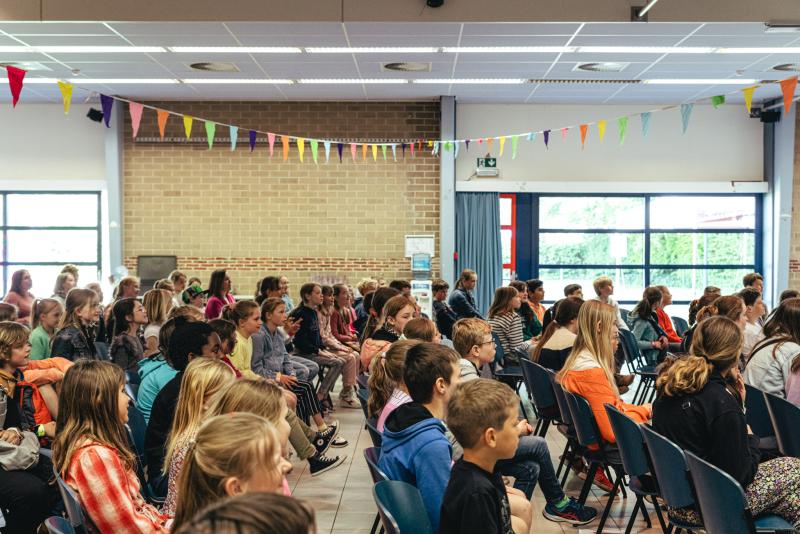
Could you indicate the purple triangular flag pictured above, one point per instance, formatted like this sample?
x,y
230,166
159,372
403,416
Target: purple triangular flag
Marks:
x,y
107,102
466,143
404,150
339,148
546,137
252,140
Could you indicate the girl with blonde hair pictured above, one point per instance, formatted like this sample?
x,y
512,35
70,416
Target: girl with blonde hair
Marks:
x,y
204,378
157,304
233,454
589,369
386,388
701,408
91,451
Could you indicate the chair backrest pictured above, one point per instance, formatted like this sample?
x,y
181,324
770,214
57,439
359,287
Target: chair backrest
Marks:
x,y
71,504
630,349
561,399
362,381
720,497
785,418
537,382
132,391
372,455
582,420
401,508
669,464
629,442
362,398
138,428
375,436
680,325
132,377
499,355
58,525
625,314
757,413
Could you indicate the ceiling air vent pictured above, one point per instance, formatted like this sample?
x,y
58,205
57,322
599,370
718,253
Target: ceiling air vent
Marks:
x,y
604,66
407,66
215,66
787,67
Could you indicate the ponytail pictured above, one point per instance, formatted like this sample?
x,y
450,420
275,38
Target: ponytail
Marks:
x,y
546,335
239,311
683,376
566,311
386,373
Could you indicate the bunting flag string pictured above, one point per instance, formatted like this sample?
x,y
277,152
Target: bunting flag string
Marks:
x,y
16,78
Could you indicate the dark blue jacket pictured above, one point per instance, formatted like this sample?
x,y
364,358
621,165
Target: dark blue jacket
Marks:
x,y
463,303
307,340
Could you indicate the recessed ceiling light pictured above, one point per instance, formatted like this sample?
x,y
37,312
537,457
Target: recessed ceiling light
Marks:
x,y
787,67
763,50
700,81
347,81
236,49
782,27
603,66
240,81
408,66
373,50
645,49
508,49
472,81
115,81
215,66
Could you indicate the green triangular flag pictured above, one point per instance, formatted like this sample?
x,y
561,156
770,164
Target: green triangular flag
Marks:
x,y
383,151
313,144
211,127
514,143
717,101
622,125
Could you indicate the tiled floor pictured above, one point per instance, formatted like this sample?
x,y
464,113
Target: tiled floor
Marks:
x,y
343,500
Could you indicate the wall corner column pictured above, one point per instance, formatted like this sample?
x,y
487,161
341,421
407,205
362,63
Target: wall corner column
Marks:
x,y
114,146
447,193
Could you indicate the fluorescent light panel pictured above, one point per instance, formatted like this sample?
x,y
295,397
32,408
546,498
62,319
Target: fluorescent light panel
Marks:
x,y
350,81
373,50
508,49
236,49
646,49
240,81
700,81
472,81
82,49
768,50
148,81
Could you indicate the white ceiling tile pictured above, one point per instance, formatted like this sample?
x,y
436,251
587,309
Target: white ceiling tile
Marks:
x,y
51,28
311,70
372,69
404,40
284,28
402,29
301,40
73,40
638,28
626,40
520,28
119,69
732,28
514,40
737,41
169,28
183,40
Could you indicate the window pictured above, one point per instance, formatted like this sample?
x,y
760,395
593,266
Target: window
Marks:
x,y
43,231
508,237
685,242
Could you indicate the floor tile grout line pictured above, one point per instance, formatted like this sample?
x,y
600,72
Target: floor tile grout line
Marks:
x,y
347,478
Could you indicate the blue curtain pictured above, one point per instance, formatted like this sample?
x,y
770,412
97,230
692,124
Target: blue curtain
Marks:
x,y
478,243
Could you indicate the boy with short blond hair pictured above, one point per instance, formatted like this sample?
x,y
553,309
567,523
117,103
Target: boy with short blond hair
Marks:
x,y
482,415
472,339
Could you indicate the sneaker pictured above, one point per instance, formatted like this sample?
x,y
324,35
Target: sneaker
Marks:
x,y
349,402
573,513
320,463
323,440
602,481
339,442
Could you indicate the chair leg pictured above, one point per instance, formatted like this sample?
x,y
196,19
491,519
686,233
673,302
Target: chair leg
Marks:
x,y
633,515
645,514
545,425
538,427
375,524
609,502
659,514
587,484
563,460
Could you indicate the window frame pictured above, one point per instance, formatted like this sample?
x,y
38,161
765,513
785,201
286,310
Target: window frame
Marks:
x,y
512,266
646,267
11,266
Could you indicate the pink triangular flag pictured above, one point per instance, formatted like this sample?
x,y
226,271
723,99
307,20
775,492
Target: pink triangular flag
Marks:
x,y
353,151
15,77
135,110
788,87
271,139
564,133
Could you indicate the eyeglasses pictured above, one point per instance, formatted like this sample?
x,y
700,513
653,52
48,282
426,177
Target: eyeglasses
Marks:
x,y
487,342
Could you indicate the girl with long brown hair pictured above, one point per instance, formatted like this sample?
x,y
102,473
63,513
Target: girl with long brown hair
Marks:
x,y
774,364
75,337
506,322
558,338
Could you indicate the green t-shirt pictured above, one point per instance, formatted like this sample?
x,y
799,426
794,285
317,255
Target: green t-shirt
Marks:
x,y
40,343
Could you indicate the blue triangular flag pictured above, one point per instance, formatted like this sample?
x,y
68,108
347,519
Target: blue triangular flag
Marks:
x,y
686,112
234,135
327,145
645,123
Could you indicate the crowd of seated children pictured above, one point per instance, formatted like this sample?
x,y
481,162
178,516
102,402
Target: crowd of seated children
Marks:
x,y
773,364
570,290
422,329
674,341
343,318
77,332
604,288
365,287
755,312
531,327
155,371
179,285
651,338
346,354
387,391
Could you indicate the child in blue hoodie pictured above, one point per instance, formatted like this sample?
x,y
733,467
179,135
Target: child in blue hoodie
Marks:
x,y
415,448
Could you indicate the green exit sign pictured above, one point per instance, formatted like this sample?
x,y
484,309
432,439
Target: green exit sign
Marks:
x,y
487,163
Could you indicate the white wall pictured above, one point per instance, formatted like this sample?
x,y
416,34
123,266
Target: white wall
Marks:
x,y
721,144
38,143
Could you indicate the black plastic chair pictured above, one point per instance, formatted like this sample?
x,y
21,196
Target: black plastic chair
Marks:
x,y
132,377
372,456
137,428
58,525
785,418
72,505
723,505
132,391
572,449
537,382
636,362
363,399
757,413
589,438
634,459
375,436
669,465
680,325
401,508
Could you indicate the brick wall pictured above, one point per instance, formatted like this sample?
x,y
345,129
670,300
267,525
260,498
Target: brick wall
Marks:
x,y
794,245
257,215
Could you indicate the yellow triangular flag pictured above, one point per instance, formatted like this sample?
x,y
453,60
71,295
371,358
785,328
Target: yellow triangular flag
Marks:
x,y
66,94
502,145
748,97
187,125
601,129
301,147
374,152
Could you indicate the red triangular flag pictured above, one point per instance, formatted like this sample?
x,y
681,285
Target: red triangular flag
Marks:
x,y
788,87
15,77
162,121
584,127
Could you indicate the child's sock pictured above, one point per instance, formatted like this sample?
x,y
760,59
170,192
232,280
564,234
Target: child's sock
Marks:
x,y
560,505
322,427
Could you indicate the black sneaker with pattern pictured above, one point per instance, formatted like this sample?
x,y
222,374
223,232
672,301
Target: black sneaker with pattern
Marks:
x,y
320,463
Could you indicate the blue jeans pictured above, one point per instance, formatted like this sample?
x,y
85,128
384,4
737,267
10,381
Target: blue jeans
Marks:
x,y
532,462
306,370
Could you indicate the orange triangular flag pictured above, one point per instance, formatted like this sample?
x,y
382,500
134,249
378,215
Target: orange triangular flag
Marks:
x,y
489,141
162,121
584,128
788,87
285,142
748,97
363,152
